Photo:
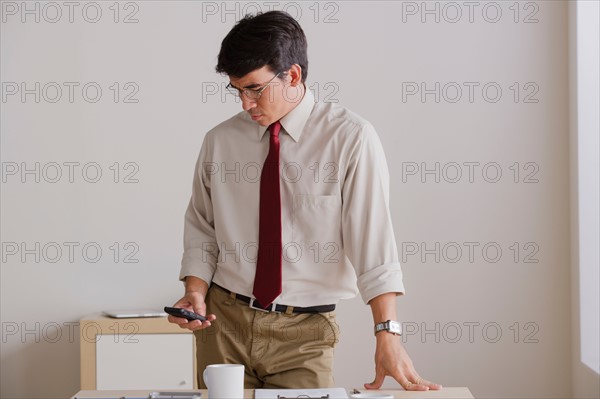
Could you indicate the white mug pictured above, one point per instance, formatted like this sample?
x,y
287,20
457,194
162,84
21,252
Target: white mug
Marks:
x,y
224,381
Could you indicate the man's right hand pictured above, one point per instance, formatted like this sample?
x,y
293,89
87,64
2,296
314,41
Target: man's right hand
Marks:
x,y
193,300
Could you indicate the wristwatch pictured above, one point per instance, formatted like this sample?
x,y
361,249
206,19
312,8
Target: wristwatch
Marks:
x,y
390,326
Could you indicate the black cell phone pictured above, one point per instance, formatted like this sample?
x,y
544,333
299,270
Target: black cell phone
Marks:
x,y
186,314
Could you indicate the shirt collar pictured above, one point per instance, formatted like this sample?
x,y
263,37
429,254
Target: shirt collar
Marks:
x,y
294,121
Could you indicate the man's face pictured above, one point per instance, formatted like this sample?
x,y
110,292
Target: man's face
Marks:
x,y
276,100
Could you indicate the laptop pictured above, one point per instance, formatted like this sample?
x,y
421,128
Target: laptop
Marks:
x,y
129,313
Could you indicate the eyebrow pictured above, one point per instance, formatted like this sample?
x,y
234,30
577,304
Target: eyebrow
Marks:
x,y
250,86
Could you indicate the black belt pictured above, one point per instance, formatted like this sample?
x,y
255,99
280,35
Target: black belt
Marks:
x,y
254,304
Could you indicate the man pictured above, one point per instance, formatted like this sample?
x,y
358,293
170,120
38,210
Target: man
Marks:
x,y
291,222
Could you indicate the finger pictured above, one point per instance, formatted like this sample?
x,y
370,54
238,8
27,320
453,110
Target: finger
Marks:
x,y
176,320
403,379
376,384
190,324
194,325
416,385
201,325
427,383
407,385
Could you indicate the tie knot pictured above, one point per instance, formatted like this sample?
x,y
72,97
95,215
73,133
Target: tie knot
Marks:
x,y
274,128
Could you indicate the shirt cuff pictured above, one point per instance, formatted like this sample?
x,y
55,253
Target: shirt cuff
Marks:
x,y
381,280
191,266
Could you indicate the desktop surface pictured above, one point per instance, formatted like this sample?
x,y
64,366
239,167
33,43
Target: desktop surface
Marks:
x,y
446,392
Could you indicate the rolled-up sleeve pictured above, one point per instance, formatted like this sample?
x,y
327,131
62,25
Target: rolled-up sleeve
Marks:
x,y
199,240
368,235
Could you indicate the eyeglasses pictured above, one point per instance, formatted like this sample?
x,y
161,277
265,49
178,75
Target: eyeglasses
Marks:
x,y
251,94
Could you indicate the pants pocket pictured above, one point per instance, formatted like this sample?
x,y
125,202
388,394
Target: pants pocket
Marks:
x,y
330,331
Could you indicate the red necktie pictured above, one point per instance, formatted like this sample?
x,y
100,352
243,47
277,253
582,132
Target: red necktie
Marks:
x,y
267,281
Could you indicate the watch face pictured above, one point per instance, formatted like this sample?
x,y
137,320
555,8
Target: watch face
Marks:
x,y
395,327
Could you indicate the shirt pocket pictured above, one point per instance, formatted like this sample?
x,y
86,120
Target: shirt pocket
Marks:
x,y
316,221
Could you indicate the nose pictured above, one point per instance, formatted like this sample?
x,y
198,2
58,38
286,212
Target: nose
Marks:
x,y
247,104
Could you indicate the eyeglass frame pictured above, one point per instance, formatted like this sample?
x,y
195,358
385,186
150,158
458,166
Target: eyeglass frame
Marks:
x,y
255,92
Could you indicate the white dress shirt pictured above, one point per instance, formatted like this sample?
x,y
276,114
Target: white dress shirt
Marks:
x,y
337,231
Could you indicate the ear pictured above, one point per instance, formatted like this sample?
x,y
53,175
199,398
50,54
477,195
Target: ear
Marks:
x,y
295,74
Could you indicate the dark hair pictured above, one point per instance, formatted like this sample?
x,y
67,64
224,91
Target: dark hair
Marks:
x,y
272,38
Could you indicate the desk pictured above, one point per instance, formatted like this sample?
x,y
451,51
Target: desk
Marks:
x,y
446,392
110,361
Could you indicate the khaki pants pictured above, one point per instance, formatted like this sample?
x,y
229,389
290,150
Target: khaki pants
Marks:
x,y
278,350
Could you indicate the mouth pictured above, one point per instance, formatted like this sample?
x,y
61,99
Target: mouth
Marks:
x,y
256,117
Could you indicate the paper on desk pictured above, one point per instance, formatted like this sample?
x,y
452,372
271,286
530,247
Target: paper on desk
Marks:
x,y
333,393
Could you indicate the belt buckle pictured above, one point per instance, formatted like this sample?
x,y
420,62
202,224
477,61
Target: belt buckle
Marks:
x,y
270,308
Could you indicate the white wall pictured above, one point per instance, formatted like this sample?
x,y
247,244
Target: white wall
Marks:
x,y
366,55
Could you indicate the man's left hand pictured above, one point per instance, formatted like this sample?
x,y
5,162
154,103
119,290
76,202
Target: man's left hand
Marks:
x,y
392,359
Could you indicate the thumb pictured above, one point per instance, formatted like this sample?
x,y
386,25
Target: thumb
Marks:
x,y
192,301
198,306
182,303
376,384
199,310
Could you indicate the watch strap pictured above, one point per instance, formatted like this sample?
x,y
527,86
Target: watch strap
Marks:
x,y
390,326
